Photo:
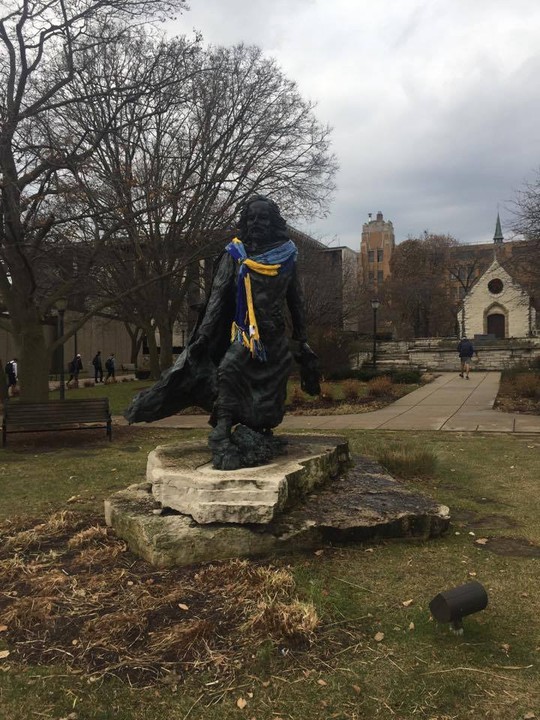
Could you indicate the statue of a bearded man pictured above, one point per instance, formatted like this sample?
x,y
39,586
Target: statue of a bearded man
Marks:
x,y
237,360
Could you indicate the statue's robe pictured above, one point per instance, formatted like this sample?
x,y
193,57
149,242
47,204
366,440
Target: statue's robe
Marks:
x,y
225,378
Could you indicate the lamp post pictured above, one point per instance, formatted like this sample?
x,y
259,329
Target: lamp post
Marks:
x,y
375,304
61,305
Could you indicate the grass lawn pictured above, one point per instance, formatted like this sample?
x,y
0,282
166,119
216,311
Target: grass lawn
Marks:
x,y
120,393
341,633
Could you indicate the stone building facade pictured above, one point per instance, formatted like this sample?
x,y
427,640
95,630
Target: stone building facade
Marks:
x,y
498,306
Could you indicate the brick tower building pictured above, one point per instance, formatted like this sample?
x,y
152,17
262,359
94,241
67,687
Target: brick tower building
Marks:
x,y
376,249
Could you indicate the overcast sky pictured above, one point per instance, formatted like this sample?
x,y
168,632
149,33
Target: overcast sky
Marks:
x,y
434,104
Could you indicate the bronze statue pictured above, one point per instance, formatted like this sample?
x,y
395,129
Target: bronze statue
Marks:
x,y
237,361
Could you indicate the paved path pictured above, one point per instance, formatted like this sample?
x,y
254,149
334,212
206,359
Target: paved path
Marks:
x,y
448,403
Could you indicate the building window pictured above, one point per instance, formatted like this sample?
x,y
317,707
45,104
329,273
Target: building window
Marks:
x,y
379,255
371,256
495,286
371,277
380,276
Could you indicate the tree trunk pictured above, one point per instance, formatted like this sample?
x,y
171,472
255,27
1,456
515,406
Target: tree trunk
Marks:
x,y
3,381
33,363
166,346
155,372
136,336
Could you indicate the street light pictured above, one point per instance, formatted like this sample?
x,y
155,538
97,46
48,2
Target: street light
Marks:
x,y
375,304
61,305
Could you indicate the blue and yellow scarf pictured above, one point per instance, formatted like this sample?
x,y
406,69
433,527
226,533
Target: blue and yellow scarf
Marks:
x,y
244,328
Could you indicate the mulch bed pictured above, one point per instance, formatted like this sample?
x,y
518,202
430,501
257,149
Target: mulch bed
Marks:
x,y
73,594
517,405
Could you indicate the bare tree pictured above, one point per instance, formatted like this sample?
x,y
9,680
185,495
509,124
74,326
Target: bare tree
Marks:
x,y
525,260
418,290
526,209
230,126
47,45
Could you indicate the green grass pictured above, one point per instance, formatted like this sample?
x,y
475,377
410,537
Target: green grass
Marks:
x,y
120,393
417,671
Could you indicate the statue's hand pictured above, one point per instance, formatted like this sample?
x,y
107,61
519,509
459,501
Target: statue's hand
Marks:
x,y
305,349
309,370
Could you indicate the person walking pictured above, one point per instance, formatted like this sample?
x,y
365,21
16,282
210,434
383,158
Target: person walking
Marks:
x,y
11,375
110,367
75,367
98,367
465,350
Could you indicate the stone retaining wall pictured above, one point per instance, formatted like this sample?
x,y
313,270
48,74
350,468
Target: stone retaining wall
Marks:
x,y
435,354
488,358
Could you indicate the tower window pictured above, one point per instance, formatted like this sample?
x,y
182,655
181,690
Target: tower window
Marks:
x,y
371,256
380,255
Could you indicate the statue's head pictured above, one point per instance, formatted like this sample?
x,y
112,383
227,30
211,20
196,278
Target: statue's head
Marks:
x,y
261,222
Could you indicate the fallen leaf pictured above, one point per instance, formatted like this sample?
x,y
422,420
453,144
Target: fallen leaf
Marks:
x,y
379,637
322,683
3,628
481,541
505,647
250,695
75,642
241,703
4,654
357,689
472,573
406,603
529,716
318,552
411,626
182,606
266,683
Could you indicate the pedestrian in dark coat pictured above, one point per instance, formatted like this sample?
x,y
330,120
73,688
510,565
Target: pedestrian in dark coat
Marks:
x,y
75,367
98,367
465,350
110,367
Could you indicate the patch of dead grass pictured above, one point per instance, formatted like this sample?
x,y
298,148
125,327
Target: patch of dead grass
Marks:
x,y
86,601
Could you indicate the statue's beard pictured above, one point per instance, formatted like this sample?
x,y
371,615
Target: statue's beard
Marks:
x,y
258,235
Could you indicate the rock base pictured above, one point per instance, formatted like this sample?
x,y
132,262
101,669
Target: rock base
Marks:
x,y
183,479
362,503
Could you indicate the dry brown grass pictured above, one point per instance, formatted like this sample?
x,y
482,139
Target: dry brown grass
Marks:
x,y
352,389
380,387
328,391
71,592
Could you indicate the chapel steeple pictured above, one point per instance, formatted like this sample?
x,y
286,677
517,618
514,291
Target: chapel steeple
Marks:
x,y
498,238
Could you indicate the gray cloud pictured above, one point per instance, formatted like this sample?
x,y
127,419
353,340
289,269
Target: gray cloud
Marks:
x,y
434,105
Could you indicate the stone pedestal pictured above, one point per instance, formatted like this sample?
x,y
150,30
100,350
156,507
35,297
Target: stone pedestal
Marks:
x,y
309,497
183,479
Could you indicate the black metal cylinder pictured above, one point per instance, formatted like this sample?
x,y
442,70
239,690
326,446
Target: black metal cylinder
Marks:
x,y
460,601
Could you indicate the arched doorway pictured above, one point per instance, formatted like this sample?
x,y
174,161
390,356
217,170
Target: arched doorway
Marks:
x,y
496,325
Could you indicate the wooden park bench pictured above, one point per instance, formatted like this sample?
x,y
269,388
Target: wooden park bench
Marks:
x,y
83,414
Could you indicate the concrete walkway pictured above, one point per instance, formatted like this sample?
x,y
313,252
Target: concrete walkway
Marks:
x,y
448,403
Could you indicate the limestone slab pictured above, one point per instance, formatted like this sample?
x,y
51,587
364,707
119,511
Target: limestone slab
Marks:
x,y
183,479
365,503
